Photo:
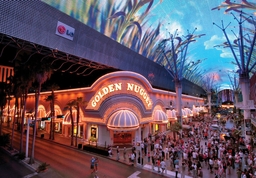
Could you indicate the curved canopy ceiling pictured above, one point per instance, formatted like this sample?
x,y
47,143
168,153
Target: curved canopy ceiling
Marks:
x,y
141,25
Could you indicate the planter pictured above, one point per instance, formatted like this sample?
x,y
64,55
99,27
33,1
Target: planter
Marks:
x,y
79,146
97,150
42,167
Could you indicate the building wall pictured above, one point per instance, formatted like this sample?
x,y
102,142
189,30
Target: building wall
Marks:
x,y
5,73
104,100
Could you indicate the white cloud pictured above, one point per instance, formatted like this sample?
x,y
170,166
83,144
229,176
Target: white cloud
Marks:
x,y
179,13
173,26
196,25
226,53
215,40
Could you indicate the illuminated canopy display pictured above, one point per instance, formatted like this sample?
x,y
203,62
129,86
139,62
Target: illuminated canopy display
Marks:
x,y
142,26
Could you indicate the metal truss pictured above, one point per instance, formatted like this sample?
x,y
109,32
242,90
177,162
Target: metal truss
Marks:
x,y
60,61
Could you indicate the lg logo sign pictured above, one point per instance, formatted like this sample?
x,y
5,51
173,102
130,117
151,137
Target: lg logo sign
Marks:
x,y
65,31
61,29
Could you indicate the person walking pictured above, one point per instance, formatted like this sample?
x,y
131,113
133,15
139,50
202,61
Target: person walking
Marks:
x,y
117,153
153,162
163,165
132,158
124,153
183,169
158,165
96,162
92,164
176,170
200,173
148,157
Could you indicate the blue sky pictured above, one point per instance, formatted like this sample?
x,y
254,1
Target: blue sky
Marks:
x,y
189,14
185,15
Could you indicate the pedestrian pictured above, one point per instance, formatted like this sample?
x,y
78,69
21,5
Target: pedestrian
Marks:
x,y
200,173
96,162
117,153
183,169
132,158
124,152
163,165
153,162
110,152
92,164
176,170
158,165
210,165
148,157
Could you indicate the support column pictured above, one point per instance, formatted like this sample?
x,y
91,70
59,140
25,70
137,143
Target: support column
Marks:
x,y
178,89
209,97
84,132
245,87
27,137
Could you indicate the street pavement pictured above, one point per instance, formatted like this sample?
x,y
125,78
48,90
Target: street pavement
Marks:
x,y
50,173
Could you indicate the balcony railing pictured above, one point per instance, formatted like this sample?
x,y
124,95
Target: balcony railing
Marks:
x,y
248,105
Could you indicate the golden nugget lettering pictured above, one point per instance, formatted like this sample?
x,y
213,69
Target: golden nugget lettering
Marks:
x,y
136,89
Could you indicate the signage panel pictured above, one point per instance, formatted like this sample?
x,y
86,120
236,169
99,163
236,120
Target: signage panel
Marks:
x,y
65,31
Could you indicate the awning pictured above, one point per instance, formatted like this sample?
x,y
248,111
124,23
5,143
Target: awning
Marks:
x,y
159,116
183,113
171,114
186,126
123,120
188,112
195,110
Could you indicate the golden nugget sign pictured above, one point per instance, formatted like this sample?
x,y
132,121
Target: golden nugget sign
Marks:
x,y
118,88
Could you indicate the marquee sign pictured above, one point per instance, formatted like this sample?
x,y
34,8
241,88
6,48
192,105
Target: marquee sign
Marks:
x,y
120,88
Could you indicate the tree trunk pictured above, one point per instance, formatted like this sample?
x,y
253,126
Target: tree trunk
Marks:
x,y
245,87
8,110
13,124
53,114
209,97
50,135
178,89
22,120
1,120
77,121
72,127
31,161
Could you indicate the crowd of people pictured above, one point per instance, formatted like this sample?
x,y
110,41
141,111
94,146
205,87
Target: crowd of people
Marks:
x,y
203,148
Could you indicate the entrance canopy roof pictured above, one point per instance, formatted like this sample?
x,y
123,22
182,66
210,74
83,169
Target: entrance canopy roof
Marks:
x,y
123,120
159,116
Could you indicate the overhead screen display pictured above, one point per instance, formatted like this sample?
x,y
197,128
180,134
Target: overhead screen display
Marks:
x,y
142,24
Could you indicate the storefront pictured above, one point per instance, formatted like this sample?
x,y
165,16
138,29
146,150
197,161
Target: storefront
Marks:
x,y
122,107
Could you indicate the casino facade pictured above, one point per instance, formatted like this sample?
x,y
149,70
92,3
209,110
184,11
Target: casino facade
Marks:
x,y
121,107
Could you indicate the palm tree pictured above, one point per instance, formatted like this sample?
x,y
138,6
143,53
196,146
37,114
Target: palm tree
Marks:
x,y
9,98
69,106
51,98
42,74
53,87
17,95
176,127
79,103
25,78
174,59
